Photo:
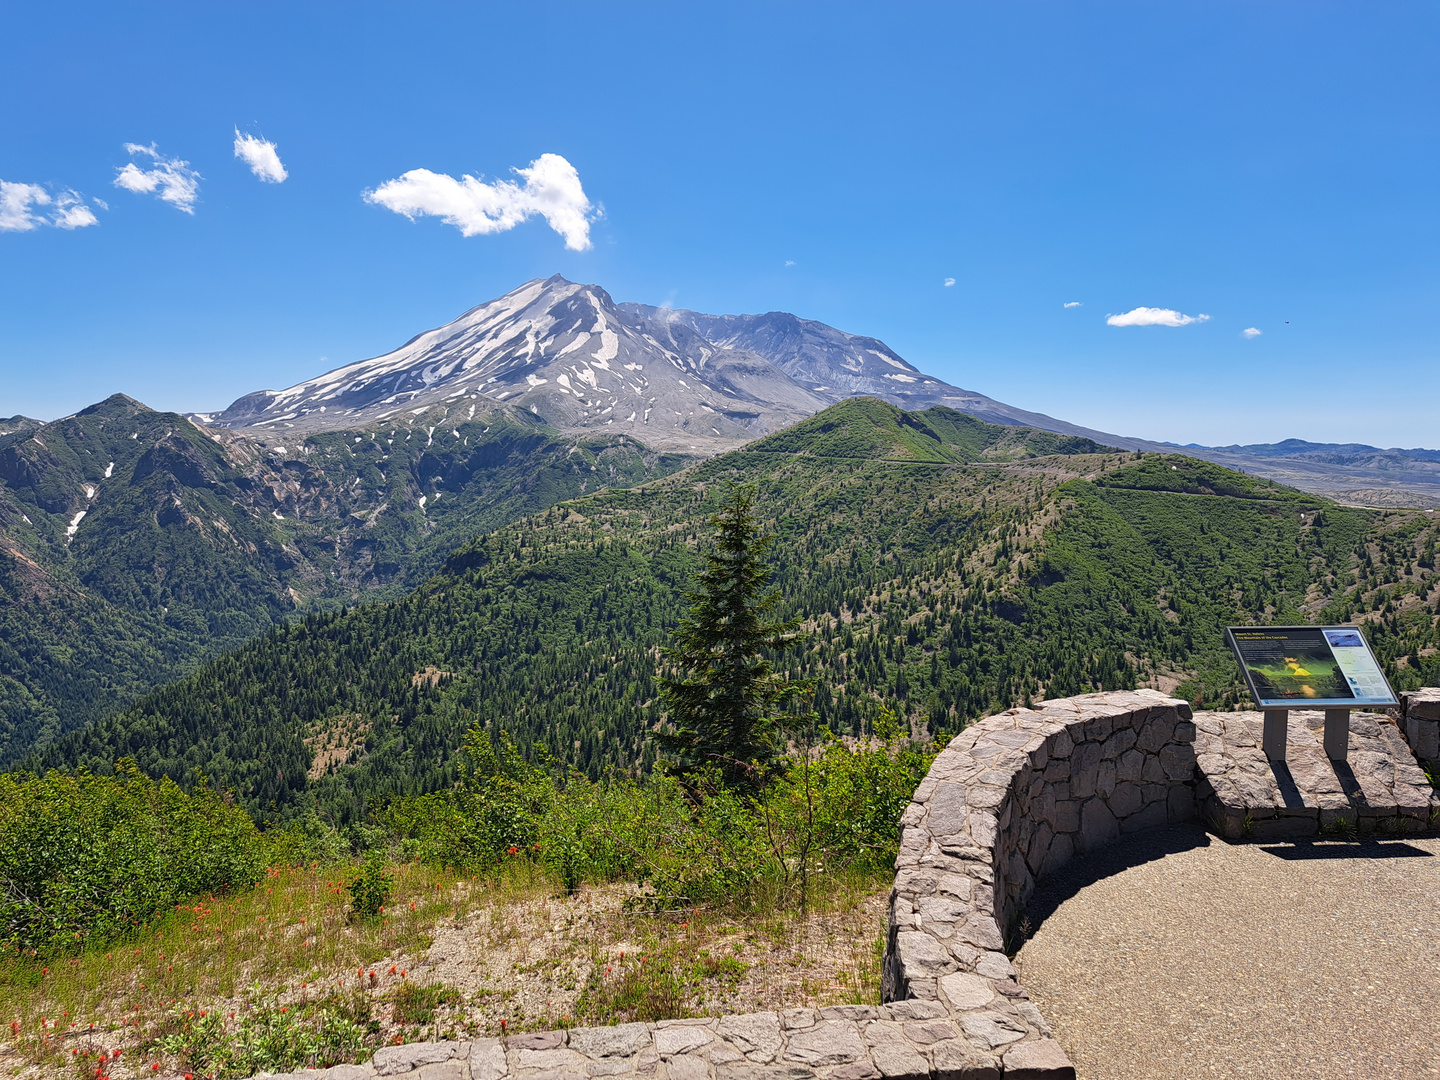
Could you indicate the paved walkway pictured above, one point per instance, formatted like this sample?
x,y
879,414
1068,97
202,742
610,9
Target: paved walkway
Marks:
x,y
1175,954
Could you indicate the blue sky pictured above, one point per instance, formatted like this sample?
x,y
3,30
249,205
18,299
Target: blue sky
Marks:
x,y
1272,166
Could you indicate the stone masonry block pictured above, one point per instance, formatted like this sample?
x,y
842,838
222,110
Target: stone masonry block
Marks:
x,y
1040,1059
1178,760
390,1060
622,1040
1157,731
956,1059
1084,770
1422,704
830,1042
1423,736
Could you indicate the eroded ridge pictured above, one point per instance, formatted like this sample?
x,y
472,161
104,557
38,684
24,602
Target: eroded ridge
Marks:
x,y
1012,798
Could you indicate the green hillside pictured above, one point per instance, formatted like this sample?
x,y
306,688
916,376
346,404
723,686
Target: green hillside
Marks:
x,y
134,545
942,565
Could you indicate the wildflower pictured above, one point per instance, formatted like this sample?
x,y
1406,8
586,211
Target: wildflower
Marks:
x,y
392,970
155,1067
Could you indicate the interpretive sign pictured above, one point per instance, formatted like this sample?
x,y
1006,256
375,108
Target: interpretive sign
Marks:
x,y
1309,667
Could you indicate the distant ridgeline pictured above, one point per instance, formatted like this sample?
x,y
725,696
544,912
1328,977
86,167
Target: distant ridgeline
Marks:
x,y
942,565
135,545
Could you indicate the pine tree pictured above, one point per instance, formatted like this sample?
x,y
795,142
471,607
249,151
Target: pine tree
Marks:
x,y
722,709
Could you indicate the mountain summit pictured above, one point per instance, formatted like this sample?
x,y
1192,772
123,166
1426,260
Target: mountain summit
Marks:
x,y
572,356
567,354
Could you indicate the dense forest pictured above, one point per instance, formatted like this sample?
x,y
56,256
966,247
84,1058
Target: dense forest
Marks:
x,y
134,545
940,565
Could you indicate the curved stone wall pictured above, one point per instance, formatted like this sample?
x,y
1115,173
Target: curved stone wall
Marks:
x,y
1011,799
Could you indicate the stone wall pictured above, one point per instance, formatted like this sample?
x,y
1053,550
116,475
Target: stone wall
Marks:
x,y
1420,720
909,1040
1012,798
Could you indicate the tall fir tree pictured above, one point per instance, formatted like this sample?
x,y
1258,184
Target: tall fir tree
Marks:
x,y
723,708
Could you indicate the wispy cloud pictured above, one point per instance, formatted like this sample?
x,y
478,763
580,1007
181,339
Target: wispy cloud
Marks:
x,y
1154,316
949,281
262,157
789,262
1251,332
1073,303
550,187
171,179
24,207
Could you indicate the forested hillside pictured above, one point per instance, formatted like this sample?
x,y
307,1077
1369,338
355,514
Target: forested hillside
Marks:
x,y
940,564
135,545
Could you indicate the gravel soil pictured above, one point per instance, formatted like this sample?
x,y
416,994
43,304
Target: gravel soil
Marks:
x,y
1175,954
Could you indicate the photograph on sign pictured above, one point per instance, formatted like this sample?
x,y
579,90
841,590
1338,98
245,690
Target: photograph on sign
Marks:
x,y
1309,667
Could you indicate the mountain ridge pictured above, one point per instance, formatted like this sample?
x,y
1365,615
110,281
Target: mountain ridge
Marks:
x,y
718,381
928,577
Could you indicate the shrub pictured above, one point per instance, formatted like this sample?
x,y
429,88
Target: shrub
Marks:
x,y
270,1037
370,891
89,859
696,842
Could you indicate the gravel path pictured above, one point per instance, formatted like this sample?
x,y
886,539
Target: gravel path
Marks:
x,y
1175,954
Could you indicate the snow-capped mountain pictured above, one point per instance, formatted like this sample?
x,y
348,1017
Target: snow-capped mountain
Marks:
x,y
674,379
567,354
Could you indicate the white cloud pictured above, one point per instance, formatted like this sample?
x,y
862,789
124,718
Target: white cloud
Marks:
x,y
1251,332
72,213
789,262
20,208
1073,303
171,179
262,157
16,201
1154,316
550,187
949,281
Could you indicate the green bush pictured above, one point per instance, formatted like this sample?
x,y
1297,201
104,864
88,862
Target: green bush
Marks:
x,y
89,859
370,891
271,1037
696,842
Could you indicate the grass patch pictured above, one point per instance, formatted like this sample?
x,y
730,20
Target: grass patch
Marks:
x,y
415,1003
284,957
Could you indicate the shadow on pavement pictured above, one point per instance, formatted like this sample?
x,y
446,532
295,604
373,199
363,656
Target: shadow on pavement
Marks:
x,y
1127,852
1364,849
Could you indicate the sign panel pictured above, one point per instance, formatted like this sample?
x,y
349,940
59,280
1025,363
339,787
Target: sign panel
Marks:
x,y
1309,667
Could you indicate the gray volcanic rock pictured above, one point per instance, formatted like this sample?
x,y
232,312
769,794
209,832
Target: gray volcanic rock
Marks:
x,y
837,365
565,353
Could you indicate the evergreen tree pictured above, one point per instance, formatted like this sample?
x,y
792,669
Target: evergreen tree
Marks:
x,y
722,708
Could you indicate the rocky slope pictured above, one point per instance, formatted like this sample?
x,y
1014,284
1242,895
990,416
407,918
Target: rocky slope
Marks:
x,y
566,354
